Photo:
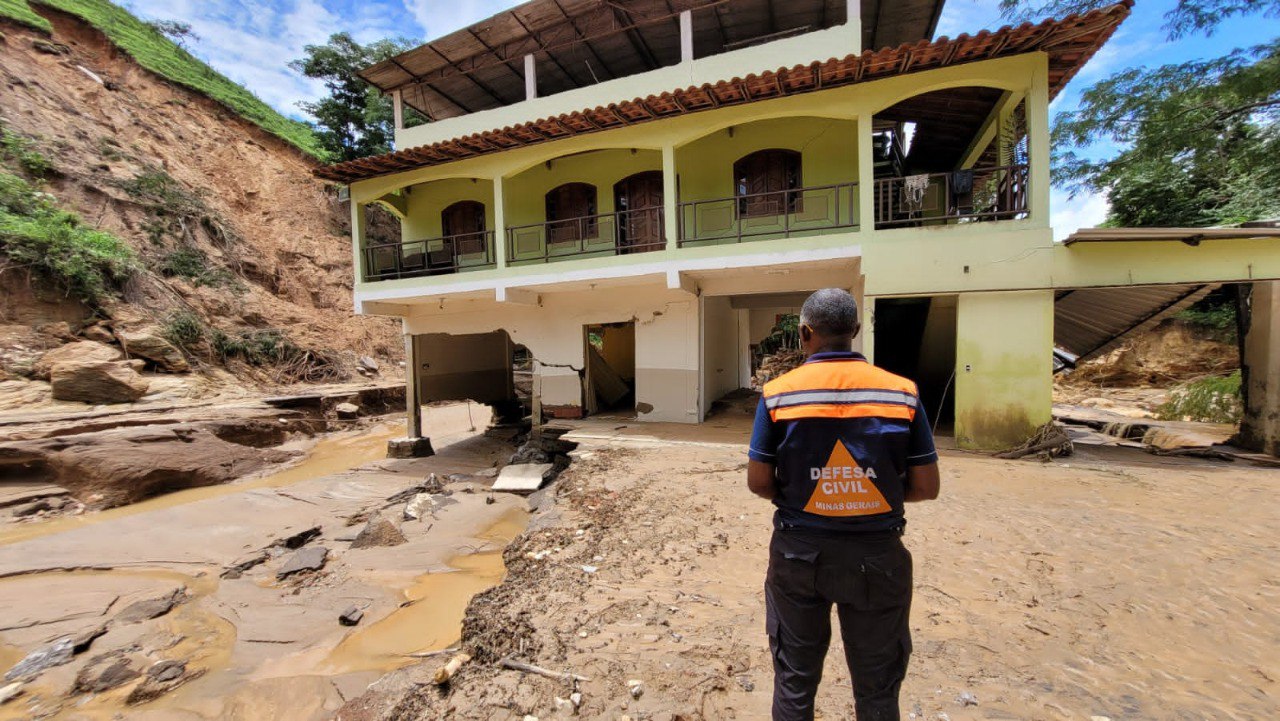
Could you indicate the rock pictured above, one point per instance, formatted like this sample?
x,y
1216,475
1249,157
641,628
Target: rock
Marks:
x,y
419,506
347,411
244,563
409,448
10,692
368,364
299,539
379,531
60,330
160,679
167,670
967,699
308,559
45,657
351,616
636,688
97,382
104,673
148,343
48,48
152,607
84,351
40,506
98,333
530,452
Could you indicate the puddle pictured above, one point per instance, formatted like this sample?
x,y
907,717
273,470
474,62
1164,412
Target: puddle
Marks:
x,y
333,454
432,620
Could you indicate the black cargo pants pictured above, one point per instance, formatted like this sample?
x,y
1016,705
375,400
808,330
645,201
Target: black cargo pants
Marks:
x,y
868,578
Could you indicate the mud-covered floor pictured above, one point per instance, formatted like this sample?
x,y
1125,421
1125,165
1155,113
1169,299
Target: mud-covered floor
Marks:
x,y
1111,584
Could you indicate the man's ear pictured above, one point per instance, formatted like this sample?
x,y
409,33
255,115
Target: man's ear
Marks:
x,y
806,333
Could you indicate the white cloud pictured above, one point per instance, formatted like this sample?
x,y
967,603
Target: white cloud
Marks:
x,y
1071,214
441,17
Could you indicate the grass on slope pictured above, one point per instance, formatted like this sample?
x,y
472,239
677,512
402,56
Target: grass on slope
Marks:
x,y
20,11
160,55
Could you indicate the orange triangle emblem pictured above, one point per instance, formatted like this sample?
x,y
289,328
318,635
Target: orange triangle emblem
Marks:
x,y
844,488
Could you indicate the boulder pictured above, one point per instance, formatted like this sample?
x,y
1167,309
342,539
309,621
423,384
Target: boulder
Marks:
x,y
368,364
347,411
97,382
84,351
98,332
148,343
379,531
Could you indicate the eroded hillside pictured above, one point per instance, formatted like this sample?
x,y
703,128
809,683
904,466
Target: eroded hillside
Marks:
x,y
242,258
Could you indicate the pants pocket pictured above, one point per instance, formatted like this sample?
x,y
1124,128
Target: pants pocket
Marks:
x,y
792,566
888,578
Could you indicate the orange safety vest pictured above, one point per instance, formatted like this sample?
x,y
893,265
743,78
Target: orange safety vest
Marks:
x,y
841,466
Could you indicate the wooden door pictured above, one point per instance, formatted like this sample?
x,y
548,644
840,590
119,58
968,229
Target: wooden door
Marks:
x,y
763,181
638,201
463,224
571,210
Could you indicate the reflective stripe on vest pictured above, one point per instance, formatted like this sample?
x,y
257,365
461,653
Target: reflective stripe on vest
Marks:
x,y
840,389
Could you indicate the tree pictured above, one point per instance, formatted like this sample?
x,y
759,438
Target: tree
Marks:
x,y
354,120
1199,143
177,31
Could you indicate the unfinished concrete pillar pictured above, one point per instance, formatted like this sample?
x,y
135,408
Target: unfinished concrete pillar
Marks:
x,y
1260,429
413,445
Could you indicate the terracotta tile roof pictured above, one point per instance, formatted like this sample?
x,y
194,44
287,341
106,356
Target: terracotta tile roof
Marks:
x,y
1069,42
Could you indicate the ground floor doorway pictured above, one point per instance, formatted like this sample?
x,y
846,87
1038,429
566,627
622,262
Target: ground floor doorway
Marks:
x,y
916,338
609,383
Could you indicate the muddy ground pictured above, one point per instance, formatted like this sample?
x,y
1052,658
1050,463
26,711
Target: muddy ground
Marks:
x,y
1108,584
187,597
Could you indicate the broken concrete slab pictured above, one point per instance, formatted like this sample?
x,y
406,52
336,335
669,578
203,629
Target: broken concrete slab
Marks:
x,y
308,559
351,616
409,448
347,411
237,567
522,477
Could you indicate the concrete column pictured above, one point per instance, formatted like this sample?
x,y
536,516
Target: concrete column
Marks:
x,y
413,406
357,241
397,110
499,222
867,338
670,197
1038,145
686,36
1004,367
530,77
866,176
1260,430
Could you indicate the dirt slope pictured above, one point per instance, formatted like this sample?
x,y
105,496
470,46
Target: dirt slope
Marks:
x,y
177,176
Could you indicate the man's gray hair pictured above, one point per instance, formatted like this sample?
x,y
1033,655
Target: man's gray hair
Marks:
x,y
830,312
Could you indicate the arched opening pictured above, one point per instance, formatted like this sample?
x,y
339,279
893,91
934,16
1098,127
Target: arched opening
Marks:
x,y
952,155
766,182
638,201
571,213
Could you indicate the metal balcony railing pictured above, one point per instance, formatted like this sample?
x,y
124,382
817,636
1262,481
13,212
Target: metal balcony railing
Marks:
x,y
433,256
777,214
619,233
963,195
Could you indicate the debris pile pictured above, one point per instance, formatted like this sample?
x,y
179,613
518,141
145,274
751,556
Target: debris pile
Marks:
x,y
775,364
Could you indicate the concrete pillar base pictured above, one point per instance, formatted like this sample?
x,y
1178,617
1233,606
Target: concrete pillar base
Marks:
x,y
410,448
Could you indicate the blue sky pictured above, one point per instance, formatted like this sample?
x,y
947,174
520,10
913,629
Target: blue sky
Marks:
x,y
252,43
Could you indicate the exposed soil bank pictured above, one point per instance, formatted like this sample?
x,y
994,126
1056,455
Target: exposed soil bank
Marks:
x,y
1112,583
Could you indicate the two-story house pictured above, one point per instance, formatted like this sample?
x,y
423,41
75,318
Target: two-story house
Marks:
x,y
632,192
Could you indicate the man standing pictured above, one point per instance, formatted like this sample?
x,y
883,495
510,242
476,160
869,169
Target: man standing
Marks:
x,y
839,446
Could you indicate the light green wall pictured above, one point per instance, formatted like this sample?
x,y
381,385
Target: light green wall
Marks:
x,y
427,200
526,192
1004,367
828,148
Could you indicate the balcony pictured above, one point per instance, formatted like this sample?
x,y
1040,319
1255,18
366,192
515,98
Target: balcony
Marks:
x,y
619,233
761,216
434,256
963,196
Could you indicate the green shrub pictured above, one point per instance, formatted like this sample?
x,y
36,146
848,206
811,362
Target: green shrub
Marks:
x,y
36,234
15,148
190,263
20,11
1215,399
1218,319
183,329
